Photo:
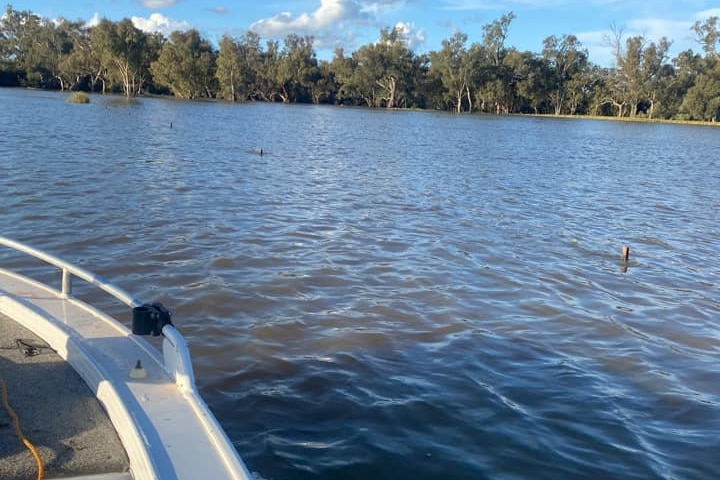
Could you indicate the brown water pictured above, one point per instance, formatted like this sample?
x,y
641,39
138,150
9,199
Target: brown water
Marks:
x,y
402,295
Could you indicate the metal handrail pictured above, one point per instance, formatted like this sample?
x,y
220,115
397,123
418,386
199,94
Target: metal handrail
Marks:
x,y
176,355
68,270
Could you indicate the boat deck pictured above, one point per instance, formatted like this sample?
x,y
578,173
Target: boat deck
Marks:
x,y
58,414
166,429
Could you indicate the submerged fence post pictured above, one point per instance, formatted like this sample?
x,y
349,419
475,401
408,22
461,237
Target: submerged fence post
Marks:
x,y
625,258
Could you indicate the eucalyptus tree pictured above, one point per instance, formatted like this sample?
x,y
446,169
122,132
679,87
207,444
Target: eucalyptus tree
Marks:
x,y
655,73
494,35
125,53
383,74
452,65
399,67
583,88
238,67
430,90
420,90
357,86
702,100
492,78
16,39
524,81
83,67
492,84
5,47
50,42
565,59
61,37
707,34
79,66
533,82
638,76
265,87
686,67
326,87
343,68
232,85
629,79
296,69
34,45
186,65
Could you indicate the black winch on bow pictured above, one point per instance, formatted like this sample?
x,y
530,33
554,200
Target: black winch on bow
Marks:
x,y
150,319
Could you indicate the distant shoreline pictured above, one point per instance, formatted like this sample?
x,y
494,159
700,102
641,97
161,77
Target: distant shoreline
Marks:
x,y
415,109
625,119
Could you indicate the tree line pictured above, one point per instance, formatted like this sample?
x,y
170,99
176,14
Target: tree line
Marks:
x,y
486,76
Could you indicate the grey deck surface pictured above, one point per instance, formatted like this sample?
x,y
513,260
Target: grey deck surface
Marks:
x,y
58,414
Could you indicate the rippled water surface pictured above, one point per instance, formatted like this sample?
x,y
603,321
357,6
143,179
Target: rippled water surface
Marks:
x,y
402,295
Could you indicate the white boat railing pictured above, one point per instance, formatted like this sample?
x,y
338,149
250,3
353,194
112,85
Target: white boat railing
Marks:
x,y
176,354
68,270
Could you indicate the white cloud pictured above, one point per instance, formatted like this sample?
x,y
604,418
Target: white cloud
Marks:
x,y
705,14
155,4
382,6
331,13
464,5
655,28
157,22
94,20
414,38
219,10
596,43
335,23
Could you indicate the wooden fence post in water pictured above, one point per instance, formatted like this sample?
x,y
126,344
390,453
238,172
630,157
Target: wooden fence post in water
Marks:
x,y
625,258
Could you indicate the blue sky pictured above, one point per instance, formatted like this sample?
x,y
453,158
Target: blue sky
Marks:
x,y
353,23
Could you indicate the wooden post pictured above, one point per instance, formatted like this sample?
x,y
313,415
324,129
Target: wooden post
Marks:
x,y
625,254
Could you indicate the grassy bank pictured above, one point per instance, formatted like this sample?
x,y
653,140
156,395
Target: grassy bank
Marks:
x,y
631,119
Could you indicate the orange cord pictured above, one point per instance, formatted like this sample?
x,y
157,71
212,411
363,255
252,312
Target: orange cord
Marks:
x,y
18,432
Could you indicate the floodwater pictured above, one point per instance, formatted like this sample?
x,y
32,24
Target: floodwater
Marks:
x,y
402,295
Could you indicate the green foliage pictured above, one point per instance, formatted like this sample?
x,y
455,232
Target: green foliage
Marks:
x,y
382,73
78,97
186,65
452,67
124,53
487,76
229,72
702,101
707,33
566,60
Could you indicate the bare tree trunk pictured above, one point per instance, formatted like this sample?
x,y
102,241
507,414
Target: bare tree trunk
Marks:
x,y
469,97
651,112
389,85
284,95
634,108
621,108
